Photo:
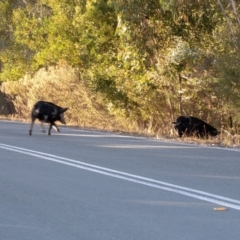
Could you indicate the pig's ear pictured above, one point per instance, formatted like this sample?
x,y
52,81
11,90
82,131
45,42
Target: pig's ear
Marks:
x,y
64,110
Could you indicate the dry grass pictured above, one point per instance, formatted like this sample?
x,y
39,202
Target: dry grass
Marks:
x,y
62,86
224,139
229,140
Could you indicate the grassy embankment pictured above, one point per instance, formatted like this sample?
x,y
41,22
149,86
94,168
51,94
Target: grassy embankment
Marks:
x,y
86,109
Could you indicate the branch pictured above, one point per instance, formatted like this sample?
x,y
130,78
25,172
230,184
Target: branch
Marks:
x,y
228,21
235,11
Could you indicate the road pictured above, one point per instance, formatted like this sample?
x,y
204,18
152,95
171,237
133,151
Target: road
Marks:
x,y
89,185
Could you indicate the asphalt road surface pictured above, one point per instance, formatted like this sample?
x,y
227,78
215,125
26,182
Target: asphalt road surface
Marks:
x,y
87,185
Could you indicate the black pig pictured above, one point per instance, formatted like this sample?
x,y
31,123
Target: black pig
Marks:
x,y
192,126
49,113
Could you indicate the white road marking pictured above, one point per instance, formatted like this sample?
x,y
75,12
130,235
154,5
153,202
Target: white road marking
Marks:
x,y
204,196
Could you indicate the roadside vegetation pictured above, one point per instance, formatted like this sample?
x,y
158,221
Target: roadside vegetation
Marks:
x,y
128,66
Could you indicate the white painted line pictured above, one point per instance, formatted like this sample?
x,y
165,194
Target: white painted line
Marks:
x,y
204,196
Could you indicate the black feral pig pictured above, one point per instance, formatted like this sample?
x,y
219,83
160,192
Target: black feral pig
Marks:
x,y
192,126
49,113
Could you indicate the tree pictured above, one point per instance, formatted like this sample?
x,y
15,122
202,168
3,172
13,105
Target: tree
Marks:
x,y
151,60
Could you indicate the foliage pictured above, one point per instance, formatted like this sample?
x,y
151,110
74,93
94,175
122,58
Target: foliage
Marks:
x,y
149,60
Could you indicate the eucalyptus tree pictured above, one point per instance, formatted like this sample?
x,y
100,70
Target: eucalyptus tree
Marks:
x,y
7,47
150,59
165,61
227,52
